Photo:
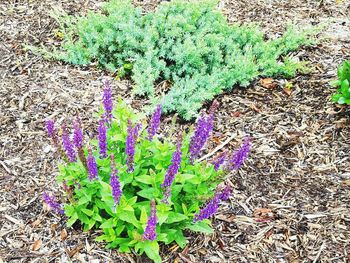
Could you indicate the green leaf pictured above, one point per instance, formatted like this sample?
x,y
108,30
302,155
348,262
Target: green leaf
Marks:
x,y
182,178
101,238
171,235
108,223
145,179
184,208
119,230
89,225
69,210
129,216
335,83
175,217
149,193
87,211
180,239
152,250
143,216
72,220
162,216
97,217
132,200
201,226
83,200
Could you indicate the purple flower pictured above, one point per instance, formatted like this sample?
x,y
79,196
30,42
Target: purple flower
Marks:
x,y
102,138
209,209
131,139
51,132
114,181
51,202
67,144
225,193
240,155
154,123
213,205
92,166
50,127
219,161
175,164
214,107
107,101
150,231
167,195
78,136
204,127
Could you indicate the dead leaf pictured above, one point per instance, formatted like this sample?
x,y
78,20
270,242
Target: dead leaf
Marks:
x,y
346,182
229,218
236,114
216,140
75,250
268,83
255,108
288,91
37,244
53,229
36,223
63,234
263,215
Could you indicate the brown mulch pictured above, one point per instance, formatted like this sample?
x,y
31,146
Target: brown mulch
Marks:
x,y
291,198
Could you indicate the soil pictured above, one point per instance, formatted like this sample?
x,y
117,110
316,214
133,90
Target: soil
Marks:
x,y
291,198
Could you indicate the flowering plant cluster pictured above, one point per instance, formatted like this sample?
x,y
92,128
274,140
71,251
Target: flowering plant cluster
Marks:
x,y
137,188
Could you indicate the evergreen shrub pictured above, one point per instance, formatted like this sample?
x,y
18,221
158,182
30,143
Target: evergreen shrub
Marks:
x,y
188,44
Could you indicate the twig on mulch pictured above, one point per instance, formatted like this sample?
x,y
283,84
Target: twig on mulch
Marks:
x,y
217,148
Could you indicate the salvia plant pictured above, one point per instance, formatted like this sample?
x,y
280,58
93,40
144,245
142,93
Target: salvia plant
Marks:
x,y
188,44
342,96
138,188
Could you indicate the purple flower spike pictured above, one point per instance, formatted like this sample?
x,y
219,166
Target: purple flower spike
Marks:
x,y
219,161
51,202
226,192
213,205
167,195
154,123
240,155
115,184
204,127
209,209
175,164
92,166
150,231
78,134
50,127
51,132
78,139
67,144
131,139
107,101
102,138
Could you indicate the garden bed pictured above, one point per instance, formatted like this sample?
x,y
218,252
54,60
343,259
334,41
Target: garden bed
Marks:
x,y
290,199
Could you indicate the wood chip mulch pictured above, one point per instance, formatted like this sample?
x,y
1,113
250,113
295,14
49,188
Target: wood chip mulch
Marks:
x,y
291,198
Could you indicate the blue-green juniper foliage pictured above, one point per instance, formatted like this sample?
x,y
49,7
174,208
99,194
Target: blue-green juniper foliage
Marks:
x,y
188,44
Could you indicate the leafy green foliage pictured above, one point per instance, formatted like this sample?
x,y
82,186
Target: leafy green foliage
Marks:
x,y
91,202
342,96
187,43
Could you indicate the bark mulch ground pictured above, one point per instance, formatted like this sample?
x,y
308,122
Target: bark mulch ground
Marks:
x,y
291,198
